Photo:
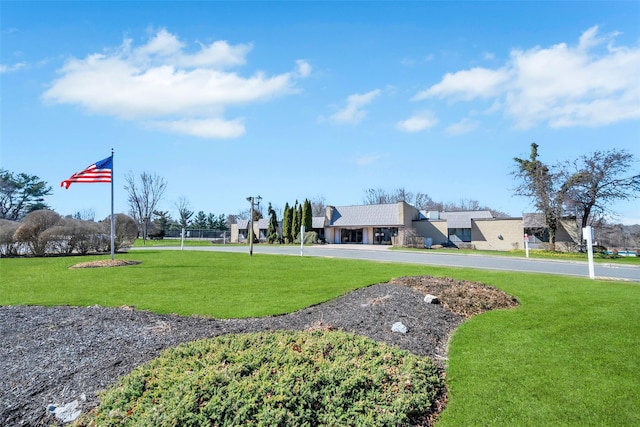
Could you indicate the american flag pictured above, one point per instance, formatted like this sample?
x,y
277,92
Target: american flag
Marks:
x,y
97,172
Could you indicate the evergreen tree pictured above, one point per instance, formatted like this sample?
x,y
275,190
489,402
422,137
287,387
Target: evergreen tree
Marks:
x,y
211,221
272,230
161,222
295,221
307,215
299,219
286,223
200,221
221,222
21,194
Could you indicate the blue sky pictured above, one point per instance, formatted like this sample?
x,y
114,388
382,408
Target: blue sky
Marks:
x,y
294,100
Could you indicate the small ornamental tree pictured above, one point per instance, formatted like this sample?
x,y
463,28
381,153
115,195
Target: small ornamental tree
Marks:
x,y
272,231
8,245
32,231
126,231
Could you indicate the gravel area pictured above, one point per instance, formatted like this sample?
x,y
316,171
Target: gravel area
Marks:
x,y
55,355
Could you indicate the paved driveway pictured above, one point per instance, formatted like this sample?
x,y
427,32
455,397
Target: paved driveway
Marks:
x,y
383,253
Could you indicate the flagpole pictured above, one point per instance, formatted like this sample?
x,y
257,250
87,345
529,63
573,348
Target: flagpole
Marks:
x,y
113,219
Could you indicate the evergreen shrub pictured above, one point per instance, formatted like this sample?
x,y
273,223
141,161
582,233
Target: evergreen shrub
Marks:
x,y
320,378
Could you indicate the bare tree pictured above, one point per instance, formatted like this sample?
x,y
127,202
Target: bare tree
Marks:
x,y
143,197
547,187
318,206
379,196
184,212
423,202
600,179
376,196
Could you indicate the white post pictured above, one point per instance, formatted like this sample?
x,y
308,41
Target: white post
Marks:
x,y
302,240
526,245
587,234
182,240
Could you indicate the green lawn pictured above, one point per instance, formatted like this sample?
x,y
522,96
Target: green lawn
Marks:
x,y
539,254
568,355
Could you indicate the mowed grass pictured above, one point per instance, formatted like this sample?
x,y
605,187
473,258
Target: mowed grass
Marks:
x,y
568,355
222,285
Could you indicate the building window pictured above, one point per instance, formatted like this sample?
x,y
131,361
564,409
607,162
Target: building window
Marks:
x,y
382,236
351,236
460,235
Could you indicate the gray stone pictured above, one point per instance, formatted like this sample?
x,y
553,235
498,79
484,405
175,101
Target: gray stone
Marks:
x,y
399,327
65,413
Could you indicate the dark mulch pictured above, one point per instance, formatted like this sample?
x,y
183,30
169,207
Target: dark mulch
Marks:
x,y
55,355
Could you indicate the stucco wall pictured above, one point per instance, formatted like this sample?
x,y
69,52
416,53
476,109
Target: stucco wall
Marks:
x,y
437,230
497,234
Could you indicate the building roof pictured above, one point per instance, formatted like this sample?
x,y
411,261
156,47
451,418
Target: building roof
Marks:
x,y
386,215
317,222
463,219
243,224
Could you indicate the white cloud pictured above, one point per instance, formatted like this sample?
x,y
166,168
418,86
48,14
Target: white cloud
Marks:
x,y
12,68
178,91
418,122
466,85
463,126
353,112
585,85
203,128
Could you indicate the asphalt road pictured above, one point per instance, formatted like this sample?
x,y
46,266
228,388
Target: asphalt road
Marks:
x,y
488,262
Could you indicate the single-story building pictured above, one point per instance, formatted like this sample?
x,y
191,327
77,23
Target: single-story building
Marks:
x,y
400,223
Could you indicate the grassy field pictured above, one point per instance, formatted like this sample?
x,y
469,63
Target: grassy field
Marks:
x,y
539,254
568,355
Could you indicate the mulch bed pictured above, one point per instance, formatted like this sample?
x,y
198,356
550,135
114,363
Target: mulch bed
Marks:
x,y
55,355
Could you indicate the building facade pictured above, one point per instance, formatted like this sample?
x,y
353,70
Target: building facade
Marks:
x,y
401,224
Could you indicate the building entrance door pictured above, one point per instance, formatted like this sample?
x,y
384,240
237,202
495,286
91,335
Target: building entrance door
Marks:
x,y
351,236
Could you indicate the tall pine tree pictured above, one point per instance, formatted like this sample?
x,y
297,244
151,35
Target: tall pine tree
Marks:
x,y
286,223
307,215
295,221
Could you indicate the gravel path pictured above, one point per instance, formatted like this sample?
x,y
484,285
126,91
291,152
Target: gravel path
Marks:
x,y
55,355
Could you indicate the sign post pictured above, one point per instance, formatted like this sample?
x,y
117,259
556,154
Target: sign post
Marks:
x,y
182,239
587,234
526,245
302,240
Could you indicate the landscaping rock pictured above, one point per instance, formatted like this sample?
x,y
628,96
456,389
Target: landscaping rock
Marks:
x,y
431,299
399,327
65,413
